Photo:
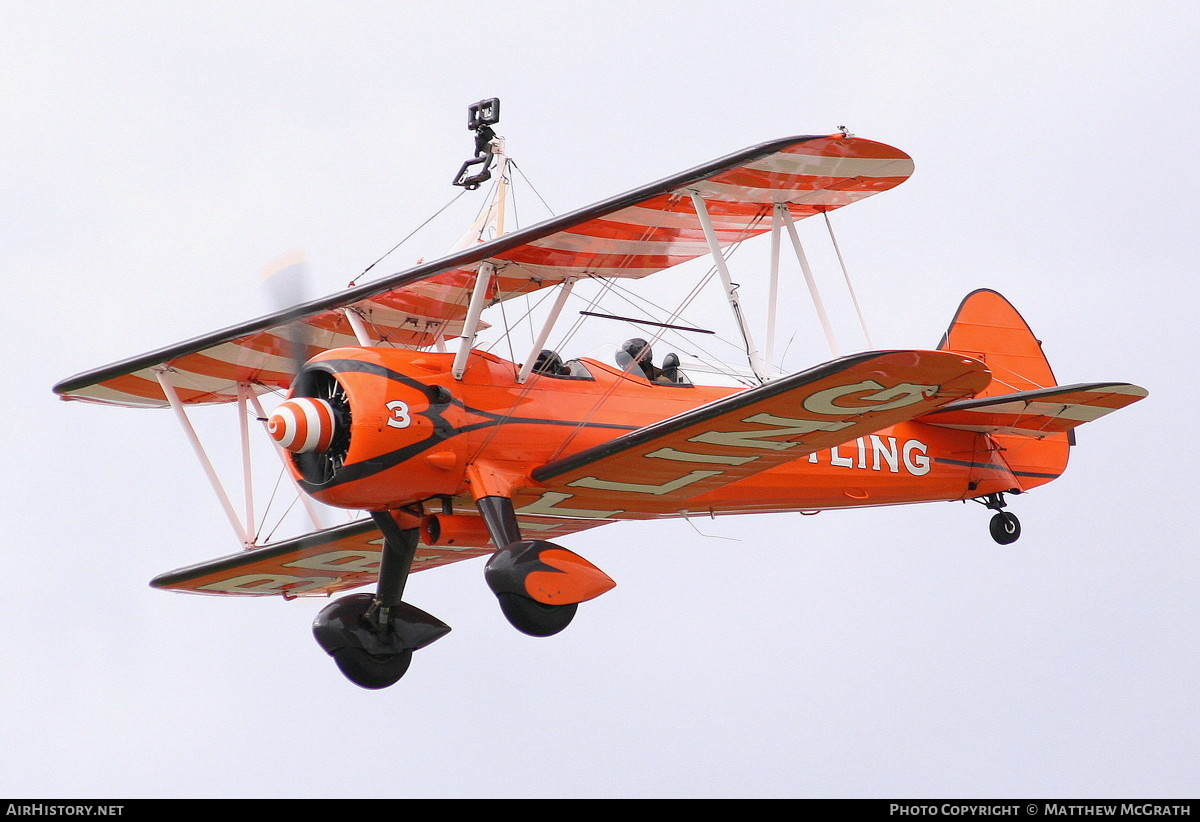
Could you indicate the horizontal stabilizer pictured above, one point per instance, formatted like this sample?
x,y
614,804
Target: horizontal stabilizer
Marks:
x,y
1037,413
657,469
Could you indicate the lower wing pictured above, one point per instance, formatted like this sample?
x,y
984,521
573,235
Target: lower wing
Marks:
x,y
326,562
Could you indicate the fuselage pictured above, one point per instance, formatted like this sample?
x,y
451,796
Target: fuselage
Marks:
x,y
418,434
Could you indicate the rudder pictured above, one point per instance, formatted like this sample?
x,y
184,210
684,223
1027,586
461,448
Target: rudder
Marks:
x,y
988,327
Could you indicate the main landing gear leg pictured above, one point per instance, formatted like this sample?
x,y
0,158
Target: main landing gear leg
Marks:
x,y
539,584
1005,528
372,637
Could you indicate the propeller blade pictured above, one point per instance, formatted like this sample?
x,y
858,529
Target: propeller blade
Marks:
x,y
286,280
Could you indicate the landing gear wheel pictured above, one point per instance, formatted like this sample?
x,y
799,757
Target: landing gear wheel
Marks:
x,y
370,670
1005,528
535,618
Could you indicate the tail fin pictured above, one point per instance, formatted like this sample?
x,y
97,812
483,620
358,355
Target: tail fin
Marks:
x,y
987,327
1023,414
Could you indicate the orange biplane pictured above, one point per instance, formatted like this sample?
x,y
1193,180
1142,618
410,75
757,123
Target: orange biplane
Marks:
x,y
454,452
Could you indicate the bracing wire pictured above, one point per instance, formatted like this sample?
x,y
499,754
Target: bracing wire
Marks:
x,y
531,187
705,354
407,237
282,517
846,274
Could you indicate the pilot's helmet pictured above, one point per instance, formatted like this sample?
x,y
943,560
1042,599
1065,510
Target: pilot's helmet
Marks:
x,y
638,350
548,362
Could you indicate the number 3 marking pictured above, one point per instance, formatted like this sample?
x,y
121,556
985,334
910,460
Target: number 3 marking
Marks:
x,y
399,418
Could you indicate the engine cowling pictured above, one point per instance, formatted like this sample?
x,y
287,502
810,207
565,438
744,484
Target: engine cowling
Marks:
x,y
361,433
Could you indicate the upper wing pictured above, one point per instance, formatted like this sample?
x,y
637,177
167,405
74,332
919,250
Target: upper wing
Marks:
x,y
632,235
657,469
1040,412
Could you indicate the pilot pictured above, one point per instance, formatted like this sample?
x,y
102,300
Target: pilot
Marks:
x,y
549,362
635,357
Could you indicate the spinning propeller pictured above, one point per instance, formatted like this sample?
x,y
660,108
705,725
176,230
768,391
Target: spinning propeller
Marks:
x,y
313,424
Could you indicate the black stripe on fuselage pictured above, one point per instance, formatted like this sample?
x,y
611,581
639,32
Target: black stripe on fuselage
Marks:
x,y
443,429
994,467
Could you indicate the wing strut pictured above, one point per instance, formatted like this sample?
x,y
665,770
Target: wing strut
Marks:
x,y
555,310
773,287
214,480
483,278
356,325
243,393
808,277
714,247
246,399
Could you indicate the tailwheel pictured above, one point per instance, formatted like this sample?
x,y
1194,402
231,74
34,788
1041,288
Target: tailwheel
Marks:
x,y
535,618
1005,528
372,671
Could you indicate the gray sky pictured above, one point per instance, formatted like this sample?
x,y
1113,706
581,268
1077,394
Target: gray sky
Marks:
x,y
157,155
